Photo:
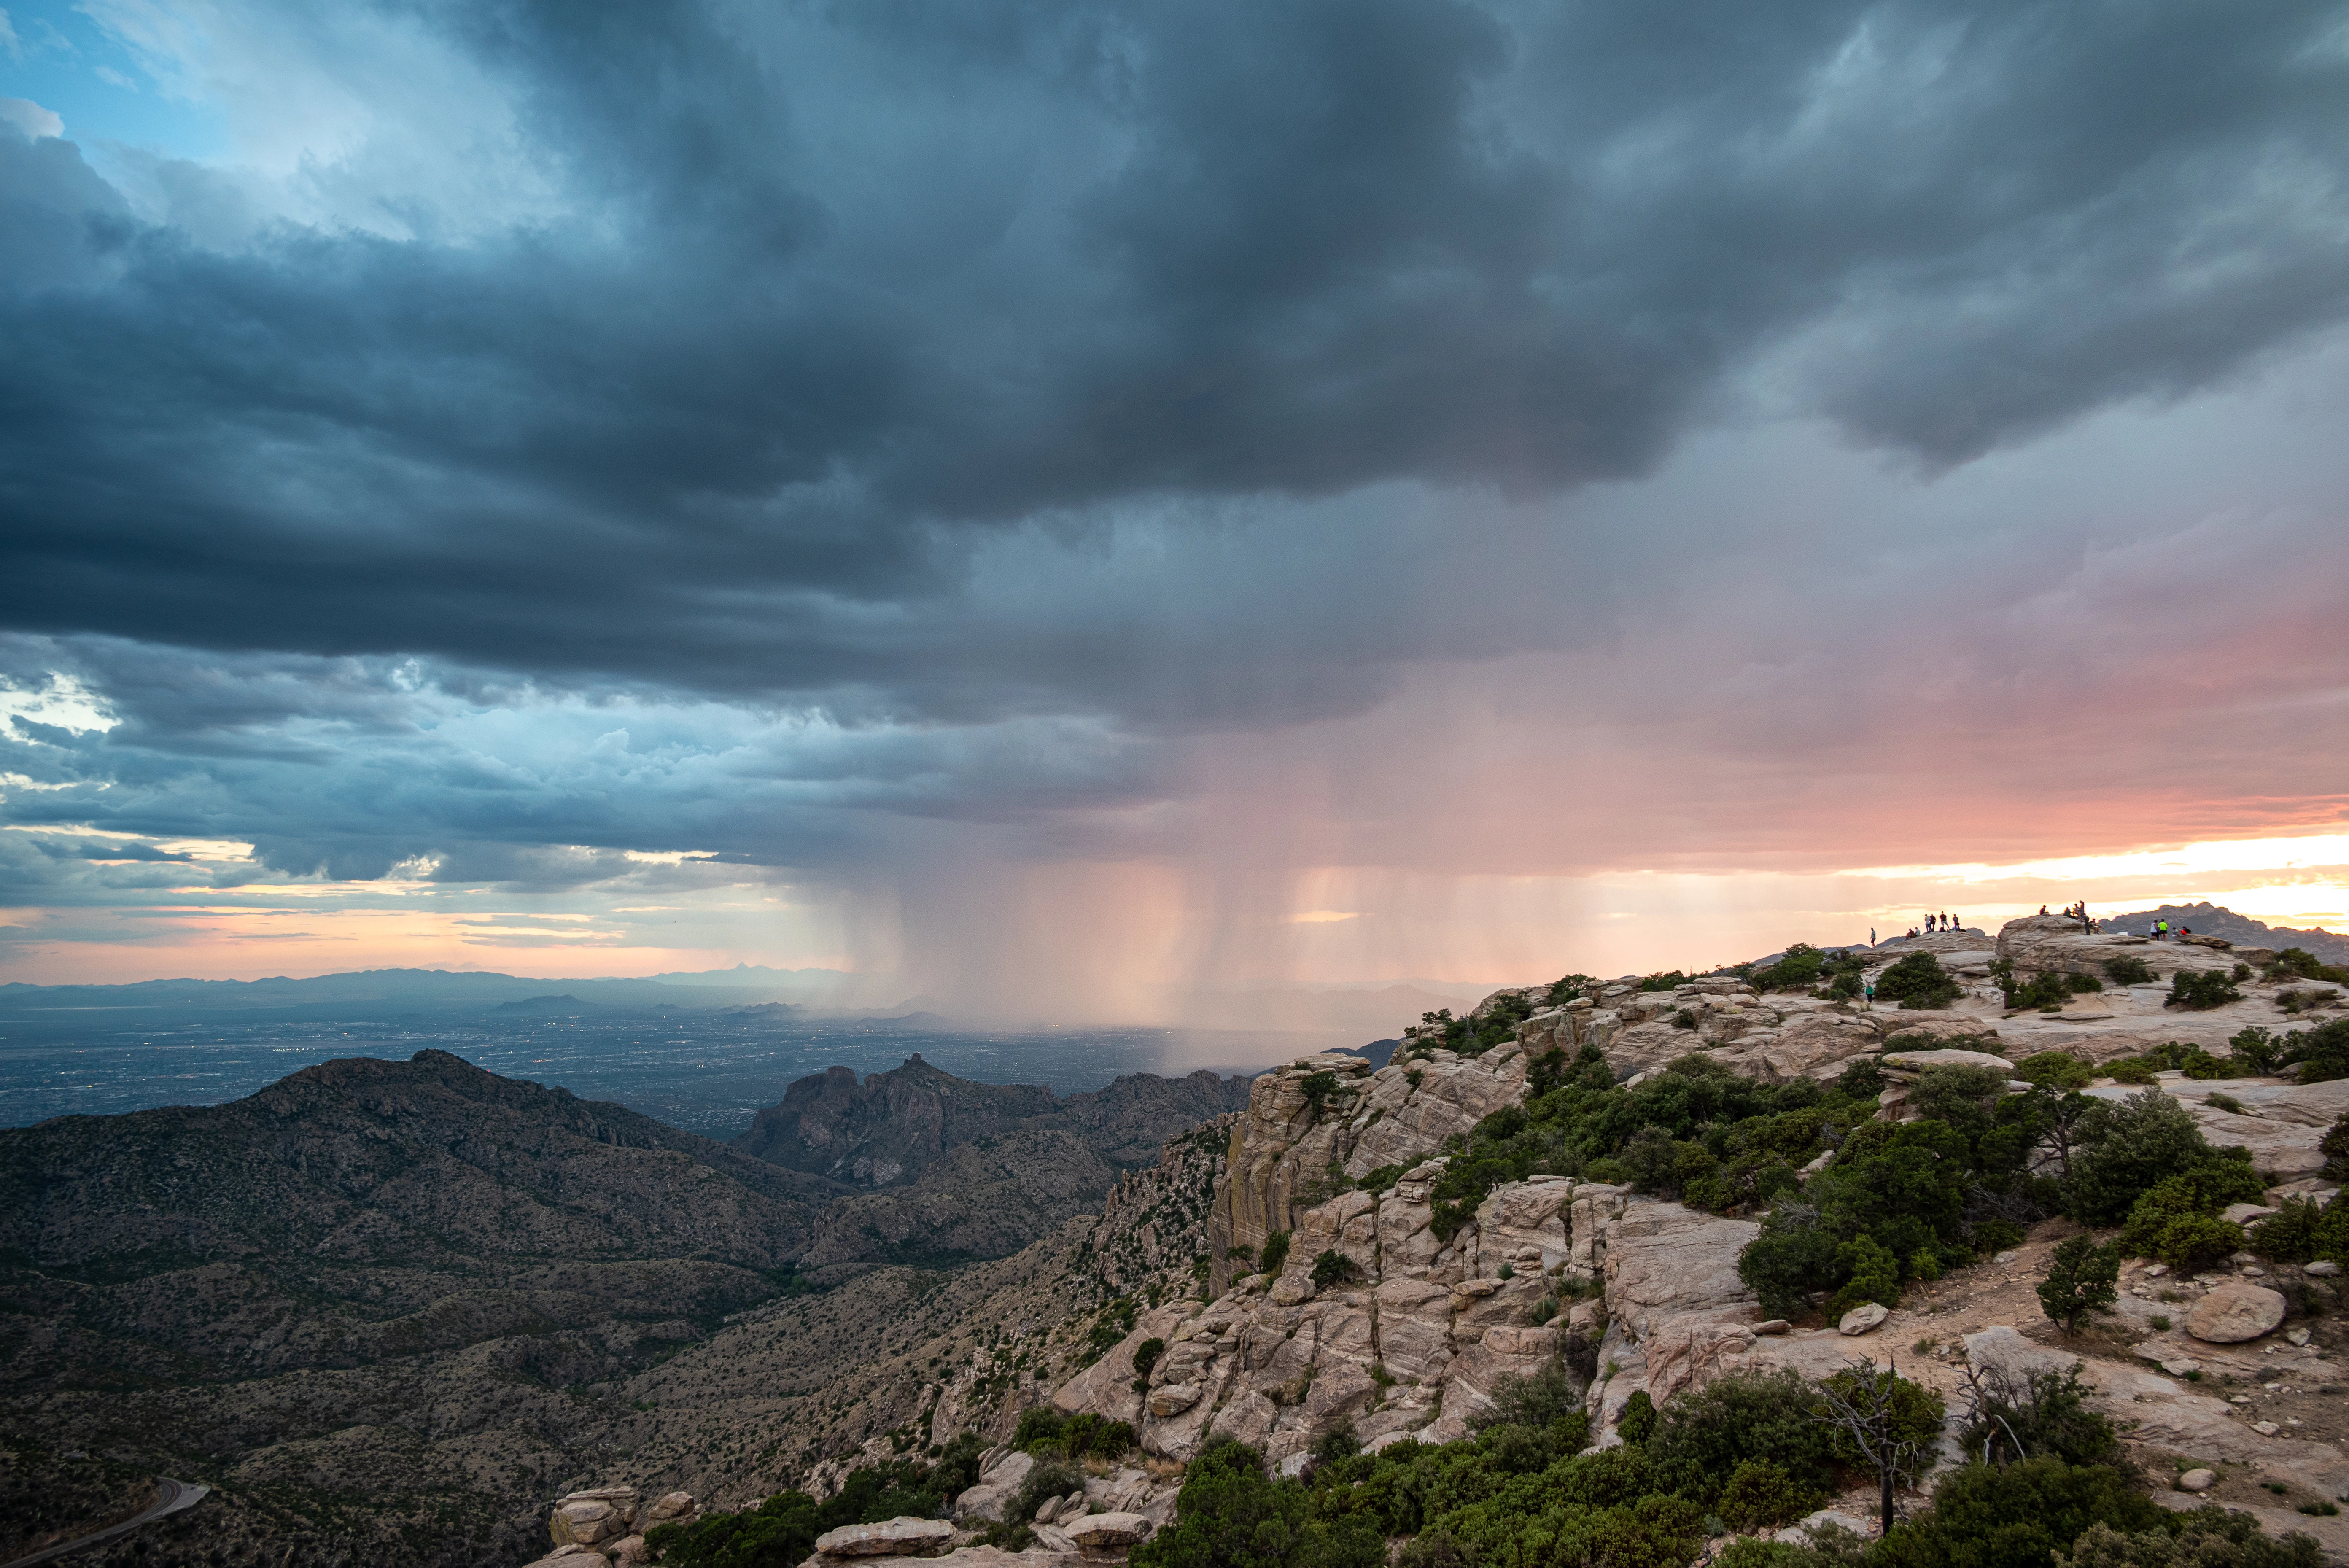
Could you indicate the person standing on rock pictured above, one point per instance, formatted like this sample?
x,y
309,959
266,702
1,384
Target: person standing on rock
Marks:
x,y
1871,936
1869,1004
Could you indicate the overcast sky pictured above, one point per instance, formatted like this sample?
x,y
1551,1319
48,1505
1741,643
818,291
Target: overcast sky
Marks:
x,y
1054,503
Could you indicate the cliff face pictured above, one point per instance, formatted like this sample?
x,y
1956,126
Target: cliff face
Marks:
x,y
889,1127
1412,1331
885,1127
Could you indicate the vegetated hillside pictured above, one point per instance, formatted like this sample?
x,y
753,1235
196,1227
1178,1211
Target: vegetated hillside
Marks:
x,y
894,1360
372,1281
393,1304
888,1126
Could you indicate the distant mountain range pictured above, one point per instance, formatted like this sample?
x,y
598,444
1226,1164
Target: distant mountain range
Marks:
x,y
2217,921
386,992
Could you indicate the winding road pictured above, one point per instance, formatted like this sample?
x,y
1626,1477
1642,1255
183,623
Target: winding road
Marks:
x,y
171,1497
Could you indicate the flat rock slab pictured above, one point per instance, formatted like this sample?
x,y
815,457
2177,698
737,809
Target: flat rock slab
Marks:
x,y
1097,1531
901,1537
2232,1314
1917,1061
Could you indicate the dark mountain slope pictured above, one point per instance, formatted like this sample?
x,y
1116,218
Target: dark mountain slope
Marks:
x,y
889,1127
388,1280
430,1163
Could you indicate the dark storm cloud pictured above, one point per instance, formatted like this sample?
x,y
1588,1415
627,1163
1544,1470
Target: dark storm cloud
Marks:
x,y
835,300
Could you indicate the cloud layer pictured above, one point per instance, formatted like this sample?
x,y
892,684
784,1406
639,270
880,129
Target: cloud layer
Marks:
x,y
905,448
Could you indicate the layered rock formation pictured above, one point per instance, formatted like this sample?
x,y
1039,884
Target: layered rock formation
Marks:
x,y
1412,1331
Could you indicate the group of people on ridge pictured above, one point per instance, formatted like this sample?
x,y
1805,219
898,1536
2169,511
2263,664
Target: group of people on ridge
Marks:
x,y
1935,924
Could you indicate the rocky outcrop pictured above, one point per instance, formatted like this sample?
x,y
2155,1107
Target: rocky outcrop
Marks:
x,y
1411,1331
905,1536
887,1128
1775,1039
2043,944
590,1518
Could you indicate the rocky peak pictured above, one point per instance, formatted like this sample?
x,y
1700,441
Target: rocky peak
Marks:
x,y
891,1126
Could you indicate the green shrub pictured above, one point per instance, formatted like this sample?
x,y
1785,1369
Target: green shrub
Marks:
x,y
1638,1422
1339,1442
780,1533
1779,1265
1913,1413
1918,981
2322,1054
2049,990
2128,1147
1566,988
1146,1356
1317,1087
2334,1147
1755,1551
2209,1537
1994,1236
1275,1255
1705,1434
2018,1416
1871,1274
2297,963
2258,1050
2081,1279
2128,970
2201,988
1334,1268
1796,970
2016,1516
1664,980
2054,1070
1229,1515
2301,1231
2136,1070
2177,1220
1759,1495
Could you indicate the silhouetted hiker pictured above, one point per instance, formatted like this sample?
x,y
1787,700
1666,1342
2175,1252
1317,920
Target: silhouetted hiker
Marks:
x,y
1871,936
2042,908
